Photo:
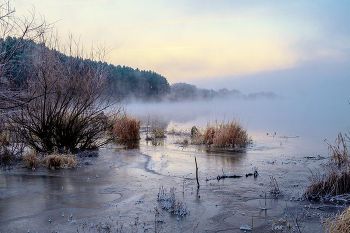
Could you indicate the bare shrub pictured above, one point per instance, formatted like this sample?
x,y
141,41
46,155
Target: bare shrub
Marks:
x,y
16,32
69,111
127,128
25,29
340,223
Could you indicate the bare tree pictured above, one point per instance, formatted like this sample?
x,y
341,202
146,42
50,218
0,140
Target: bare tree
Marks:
x,y
15,34
23,30
63,104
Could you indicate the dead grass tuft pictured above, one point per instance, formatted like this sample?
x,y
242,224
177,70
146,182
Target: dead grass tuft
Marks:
x,y
157,131
340,223
31,159
227,134
338,151
127,128
60,160
337,180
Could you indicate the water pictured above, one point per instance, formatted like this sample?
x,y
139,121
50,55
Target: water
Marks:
x,y
122,184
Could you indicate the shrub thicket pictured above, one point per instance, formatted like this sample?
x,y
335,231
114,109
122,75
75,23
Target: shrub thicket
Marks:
x,y
69,108
17,32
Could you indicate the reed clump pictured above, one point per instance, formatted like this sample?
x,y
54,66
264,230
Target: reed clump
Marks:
x,y
157,131
60,160
337,180
229,134
338,151
340,223
31,159
127,128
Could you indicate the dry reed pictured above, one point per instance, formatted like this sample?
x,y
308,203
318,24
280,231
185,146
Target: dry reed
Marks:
x,y
31,159
157,131
338,151
340,223
230,134
337,180
127,128
275,189
60,160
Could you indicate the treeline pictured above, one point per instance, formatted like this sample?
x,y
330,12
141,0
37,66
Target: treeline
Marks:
x,y
140,84
184,91
122,81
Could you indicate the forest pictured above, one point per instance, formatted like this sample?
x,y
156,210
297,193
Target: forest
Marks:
x,y
123,81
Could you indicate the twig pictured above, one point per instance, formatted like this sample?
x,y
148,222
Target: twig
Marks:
x,y
195,160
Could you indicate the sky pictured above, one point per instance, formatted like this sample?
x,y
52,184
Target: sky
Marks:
x,y
238,44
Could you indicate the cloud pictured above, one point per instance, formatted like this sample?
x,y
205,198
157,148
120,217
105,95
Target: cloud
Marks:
x,y
201,38
181,63
85,2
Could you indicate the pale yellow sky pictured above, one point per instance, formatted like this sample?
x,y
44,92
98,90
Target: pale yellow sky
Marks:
x,y
191,39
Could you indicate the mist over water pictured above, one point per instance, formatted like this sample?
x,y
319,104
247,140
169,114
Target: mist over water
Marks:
x,y
311,119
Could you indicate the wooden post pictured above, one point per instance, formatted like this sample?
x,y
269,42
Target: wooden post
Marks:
x,y
195,160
